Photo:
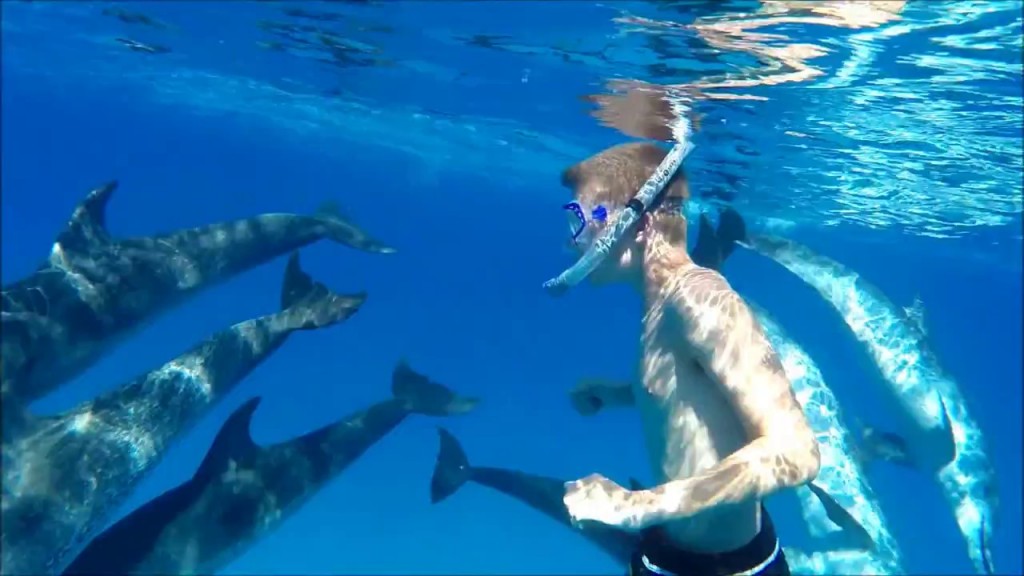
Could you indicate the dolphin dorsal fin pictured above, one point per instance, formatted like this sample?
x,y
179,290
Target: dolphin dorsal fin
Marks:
x,y
298,285
233,439
331,209
88,224
707,251
635,484
842,517
915,313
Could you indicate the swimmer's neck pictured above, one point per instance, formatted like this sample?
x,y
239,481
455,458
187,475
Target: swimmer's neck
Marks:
x,y
664,262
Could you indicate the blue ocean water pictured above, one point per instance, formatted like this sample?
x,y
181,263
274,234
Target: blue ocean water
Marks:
x,y
902,160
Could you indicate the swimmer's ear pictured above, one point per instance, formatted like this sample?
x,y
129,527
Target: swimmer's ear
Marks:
x,y
641,236
641,228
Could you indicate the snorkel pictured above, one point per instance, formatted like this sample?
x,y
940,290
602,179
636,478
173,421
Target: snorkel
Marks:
x,y
612,235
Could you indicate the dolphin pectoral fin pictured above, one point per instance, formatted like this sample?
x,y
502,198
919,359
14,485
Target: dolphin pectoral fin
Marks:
x,y
232,440
341,229
307,304
915,313
842,518
707,252
949,441
88,224
451,470
877,445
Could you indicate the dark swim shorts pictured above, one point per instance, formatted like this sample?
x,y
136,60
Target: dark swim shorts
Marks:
x,y
763,555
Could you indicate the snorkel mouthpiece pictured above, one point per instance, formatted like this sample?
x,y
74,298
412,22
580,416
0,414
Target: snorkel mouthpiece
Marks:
x,y
612,235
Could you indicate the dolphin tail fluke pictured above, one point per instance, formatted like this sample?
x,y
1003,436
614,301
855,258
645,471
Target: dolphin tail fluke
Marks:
x,y
452,469
713,246
731,230
342,230
842,518
307,304
425,396
232,440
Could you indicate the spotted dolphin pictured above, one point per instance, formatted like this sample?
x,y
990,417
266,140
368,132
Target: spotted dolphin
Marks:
x,y
942,437
63,475
243,491
840,504
545,495
95,290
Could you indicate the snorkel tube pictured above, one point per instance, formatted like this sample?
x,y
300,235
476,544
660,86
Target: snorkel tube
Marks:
x,y
613,234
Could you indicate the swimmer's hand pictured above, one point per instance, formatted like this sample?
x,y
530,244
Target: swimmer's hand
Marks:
x,y
591,395
598,500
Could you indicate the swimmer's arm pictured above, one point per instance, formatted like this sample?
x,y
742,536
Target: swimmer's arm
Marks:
x,y
733,350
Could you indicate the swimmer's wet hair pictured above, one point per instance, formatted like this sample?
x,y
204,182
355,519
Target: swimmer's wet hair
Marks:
x,y
613,176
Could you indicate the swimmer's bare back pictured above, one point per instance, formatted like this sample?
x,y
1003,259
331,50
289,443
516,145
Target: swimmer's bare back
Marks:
x,y
722,424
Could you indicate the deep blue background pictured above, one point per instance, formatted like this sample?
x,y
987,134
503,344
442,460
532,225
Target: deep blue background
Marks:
x,y
462,301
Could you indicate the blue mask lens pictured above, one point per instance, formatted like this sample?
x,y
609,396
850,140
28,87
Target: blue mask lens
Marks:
x,y
578,218
577,221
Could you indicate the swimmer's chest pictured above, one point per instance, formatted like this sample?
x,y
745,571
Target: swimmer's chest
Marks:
x,y
689,423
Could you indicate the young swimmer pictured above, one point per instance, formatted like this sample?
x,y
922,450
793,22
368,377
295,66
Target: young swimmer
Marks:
x,y
722,425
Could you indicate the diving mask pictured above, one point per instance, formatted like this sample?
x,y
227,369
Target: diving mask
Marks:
x,y
611,235
581,226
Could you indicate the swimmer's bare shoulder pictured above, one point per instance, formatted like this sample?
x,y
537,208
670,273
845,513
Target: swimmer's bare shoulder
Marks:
x,y
730,345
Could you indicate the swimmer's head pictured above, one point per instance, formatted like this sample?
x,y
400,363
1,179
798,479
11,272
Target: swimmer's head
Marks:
x,y
609,180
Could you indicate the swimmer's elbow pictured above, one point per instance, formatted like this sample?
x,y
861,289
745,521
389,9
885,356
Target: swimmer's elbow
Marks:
x,y
804,458
811,463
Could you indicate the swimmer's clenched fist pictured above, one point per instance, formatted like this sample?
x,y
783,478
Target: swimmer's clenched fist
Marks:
x,y
598,499
722,424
